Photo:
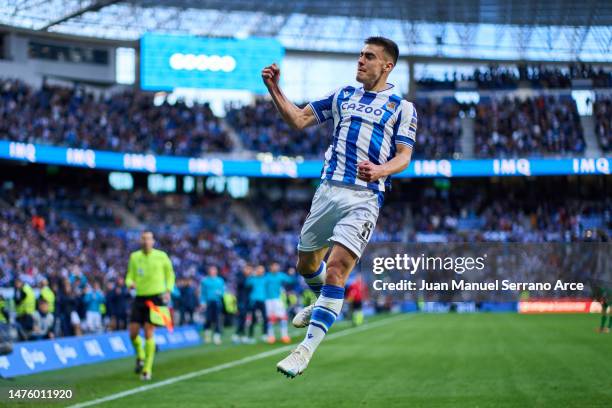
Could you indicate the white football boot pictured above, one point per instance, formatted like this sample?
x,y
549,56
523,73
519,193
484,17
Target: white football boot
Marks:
x,y
295,363
302,319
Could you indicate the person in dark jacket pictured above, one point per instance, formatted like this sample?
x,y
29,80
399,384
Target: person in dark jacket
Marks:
x,y
189,301
242,300
117,304
68,305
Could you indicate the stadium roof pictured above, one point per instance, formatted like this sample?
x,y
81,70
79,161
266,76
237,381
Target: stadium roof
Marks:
x,y
534,12
535,29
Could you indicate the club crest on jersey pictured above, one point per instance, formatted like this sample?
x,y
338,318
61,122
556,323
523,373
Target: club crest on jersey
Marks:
x,y
391,105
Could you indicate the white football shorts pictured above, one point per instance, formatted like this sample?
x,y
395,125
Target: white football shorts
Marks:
x,y
275,308
340,213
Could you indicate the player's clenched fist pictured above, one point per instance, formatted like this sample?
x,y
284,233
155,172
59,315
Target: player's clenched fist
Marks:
x,y
368,171
271,75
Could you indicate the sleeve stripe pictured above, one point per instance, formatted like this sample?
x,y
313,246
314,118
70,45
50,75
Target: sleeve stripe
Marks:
x,y
314,110
404,140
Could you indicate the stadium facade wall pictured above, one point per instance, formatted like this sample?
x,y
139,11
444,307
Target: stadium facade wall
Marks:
x,y
18,63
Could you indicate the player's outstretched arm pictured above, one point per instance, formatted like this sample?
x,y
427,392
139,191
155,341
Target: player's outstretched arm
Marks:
x,y
296,117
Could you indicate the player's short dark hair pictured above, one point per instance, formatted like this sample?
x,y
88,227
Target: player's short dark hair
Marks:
x,y
388,45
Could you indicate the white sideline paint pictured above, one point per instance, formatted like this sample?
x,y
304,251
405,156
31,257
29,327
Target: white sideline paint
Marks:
x,y
231,364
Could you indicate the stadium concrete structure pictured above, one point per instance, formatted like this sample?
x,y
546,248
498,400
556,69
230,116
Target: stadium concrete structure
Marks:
x,y
121,116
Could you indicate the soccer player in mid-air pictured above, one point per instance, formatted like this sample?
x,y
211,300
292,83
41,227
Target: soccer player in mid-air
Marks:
x,y
150,272
373,134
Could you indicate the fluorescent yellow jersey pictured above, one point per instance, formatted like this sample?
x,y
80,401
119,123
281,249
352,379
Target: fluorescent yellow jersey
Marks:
x,y
28,302
152,274
47,294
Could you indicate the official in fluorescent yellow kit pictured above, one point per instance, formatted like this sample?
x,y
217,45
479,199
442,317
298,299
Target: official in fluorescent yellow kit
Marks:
x,y
150,272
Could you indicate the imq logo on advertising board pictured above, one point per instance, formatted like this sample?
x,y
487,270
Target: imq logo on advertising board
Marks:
x,y
174,61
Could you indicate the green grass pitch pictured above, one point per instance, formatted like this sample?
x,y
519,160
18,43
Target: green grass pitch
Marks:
x,y
450,360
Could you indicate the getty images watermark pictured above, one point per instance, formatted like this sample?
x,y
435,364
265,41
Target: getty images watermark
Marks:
x,y
446,274
412,264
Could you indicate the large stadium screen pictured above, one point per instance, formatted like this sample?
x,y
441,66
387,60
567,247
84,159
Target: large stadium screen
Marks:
x,y
176,61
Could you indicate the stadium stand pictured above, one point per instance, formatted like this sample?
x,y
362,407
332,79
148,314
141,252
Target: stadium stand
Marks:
x,y
263,130
440,130
496,77
540,126
124,121
532,127
129,121
602,110
42,233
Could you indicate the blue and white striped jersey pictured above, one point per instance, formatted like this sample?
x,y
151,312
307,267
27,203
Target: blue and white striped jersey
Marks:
x,y
367,126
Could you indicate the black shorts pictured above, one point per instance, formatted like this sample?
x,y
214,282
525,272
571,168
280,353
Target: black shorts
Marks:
x,y
357,305
141,314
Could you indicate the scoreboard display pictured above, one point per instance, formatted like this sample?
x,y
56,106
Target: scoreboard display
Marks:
x,y
177,61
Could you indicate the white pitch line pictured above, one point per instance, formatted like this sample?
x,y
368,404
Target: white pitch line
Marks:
x,y
224,366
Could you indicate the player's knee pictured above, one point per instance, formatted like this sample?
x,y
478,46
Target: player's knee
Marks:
x,y
133,329
306,266
149,331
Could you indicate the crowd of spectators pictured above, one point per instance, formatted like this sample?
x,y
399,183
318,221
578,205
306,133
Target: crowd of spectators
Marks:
x,y
49,205
130,121
127,121
262,129
439,130
509,77
533,215
531,127
602,111
69,243
177,212
79,261
62,248
84,266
